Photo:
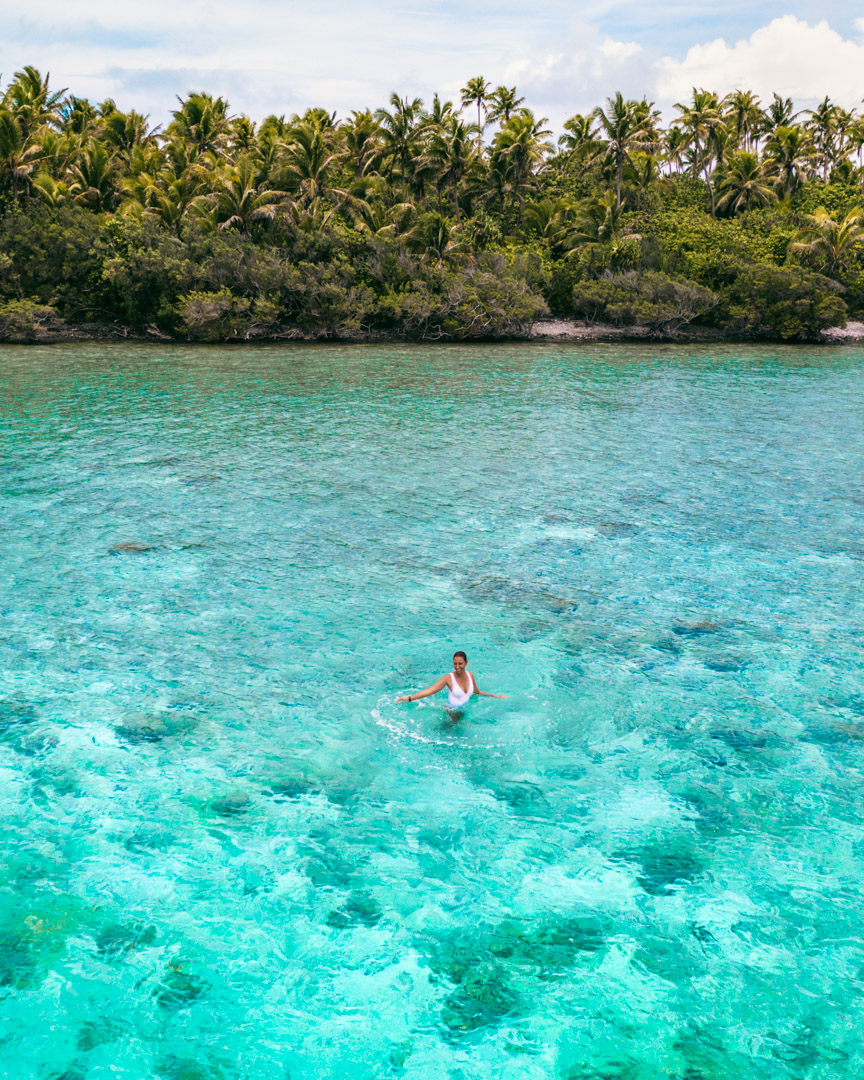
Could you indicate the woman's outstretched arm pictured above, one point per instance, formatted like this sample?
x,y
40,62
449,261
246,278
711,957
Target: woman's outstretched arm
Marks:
x,y
483,693
428,692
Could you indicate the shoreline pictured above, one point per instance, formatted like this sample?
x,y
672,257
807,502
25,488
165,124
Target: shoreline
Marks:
x,y
545,330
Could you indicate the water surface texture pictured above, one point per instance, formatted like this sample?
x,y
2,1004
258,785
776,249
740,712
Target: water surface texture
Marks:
x,y
229,855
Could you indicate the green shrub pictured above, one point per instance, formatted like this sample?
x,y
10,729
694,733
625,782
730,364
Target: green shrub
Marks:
x,y
651,300
784,302
145,272
214,316
27,321
54,257
696,246
487,300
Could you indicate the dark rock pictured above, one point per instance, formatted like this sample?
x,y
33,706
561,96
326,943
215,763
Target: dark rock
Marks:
x,y
179,987
519,794
696,629
359,910
98,1032
329,870
116,939
149,839
231,805
174,1068
725,663
741,740
293,787
550,947
662,867
482,997
616,529
143,728
14,712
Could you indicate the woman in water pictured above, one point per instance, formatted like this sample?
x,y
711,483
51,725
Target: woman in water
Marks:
x,y
460,683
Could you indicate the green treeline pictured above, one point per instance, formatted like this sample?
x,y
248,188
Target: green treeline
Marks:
x,y
432,221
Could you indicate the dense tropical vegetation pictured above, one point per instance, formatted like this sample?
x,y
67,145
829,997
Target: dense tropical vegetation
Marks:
x,y
425,220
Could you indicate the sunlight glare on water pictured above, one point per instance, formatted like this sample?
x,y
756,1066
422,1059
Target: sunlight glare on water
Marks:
x,y
229,855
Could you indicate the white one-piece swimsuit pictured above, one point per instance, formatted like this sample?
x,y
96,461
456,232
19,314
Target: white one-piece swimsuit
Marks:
x,y
456,696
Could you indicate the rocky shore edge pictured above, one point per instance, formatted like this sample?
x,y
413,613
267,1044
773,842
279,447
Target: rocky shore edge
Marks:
x,y
545,330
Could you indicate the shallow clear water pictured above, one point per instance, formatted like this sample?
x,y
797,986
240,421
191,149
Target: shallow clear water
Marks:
x,y
227,853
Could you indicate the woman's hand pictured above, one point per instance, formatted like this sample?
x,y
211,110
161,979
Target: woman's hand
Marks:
x,y
403,698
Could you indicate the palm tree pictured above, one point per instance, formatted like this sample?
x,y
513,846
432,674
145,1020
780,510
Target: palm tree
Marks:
x,y
518,151
744,116
625,126
580,141
237,199
703,122
440,113
399,132
241,136
268,146
377,219
170,201
845,172
434,237
311,218
125,131
361,141
642,171
58,152
780,113
503,102
829,243
744,184
163,185
451,155
825,126
78,116
202,121
31,101
318,118
18,157
675,143
476,92
553,221
50,191
93,179
855,136
600,224
305,163
789,155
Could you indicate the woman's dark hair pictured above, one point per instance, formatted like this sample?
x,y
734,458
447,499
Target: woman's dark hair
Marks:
x,y
462,654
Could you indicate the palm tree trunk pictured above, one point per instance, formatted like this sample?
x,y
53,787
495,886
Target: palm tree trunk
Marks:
x,y
619,170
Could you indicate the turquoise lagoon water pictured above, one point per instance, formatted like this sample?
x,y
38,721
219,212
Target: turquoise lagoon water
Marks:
x,y
227,853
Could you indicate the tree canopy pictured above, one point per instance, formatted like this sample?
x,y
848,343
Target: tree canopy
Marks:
x,y
431,220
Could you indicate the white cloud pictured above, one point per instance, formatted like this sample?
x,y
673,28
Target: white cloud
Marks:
x,y
589,69
268,56
787,56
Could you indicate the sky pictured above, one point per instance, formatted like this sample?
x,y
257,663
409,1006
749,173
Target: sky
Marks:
x,y
268,56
